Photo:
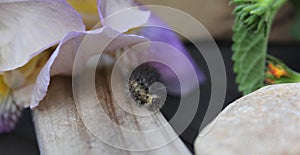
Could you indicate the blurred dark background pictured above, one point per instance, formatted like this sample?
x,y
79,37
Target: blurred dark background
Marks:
x,y
23,141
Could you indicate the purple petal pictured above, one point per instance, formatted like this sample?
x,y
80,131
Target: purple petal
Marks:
x,y
9,119
28,27
121,15
159,31
62,60
9,113
176,71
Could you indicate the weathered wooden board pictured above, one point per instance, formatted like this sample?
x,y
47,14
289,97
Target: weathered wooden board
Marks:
x,y
61,131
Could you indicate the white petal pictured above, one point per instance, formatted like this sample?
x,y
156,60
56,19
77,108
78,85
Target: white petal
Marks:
x,y
62,60
121,15
14,79
28,27
22,96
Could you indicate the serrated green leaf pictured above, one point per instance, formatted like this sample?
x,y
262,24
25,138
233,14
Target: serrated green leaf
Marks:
x,y
249,57
251,30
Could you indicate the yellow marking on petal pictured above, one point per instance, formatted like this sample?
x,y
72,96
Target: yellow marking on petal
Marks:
x,y
4,90
88,10
9,111
20,81
38,64
14,79
85,6
28,73
29,67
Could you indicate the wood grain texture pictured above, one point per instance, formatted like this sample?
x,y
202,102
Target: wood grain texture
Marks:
x,y
61,131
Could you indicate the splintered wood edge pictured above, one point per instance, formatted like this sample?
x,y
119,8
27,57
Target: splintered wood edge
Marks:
x,y
60,129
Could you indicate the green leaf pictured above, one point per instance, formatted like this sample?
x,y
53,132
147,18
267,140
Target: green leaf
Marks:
x,y
249,57
253,20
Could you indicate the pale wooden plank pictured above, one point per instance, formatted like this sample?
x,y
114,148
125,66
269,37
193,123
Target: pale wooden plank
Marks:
x,y
60,130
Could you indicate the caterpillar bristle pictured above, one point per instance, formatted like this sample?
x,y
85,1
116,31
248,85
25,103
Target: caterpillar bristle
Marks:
x,y
139,84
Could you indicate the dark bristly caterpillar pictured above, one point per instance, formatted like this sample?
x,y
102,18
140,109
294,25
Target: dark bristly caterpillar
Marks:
x,y
140,81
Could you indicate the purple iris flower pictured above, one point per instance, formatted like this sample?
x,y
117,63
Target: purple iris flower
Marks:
x,y
27,28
